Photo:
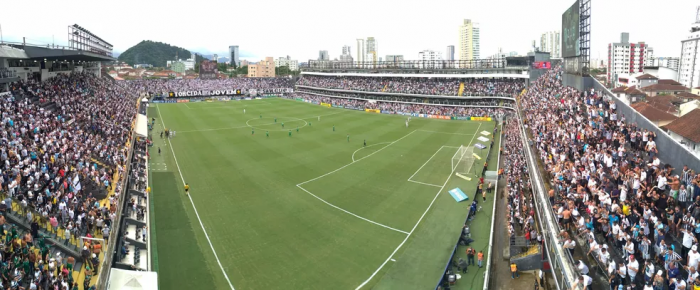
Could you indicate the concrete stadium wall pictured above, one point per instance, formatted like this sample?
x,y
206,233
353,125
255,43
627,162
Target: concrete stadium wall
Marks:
x,y
577,82
670,151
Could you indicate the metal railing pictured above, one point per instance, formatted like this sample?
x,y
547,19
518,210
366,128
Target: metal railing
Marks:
x,y
409,64
562,266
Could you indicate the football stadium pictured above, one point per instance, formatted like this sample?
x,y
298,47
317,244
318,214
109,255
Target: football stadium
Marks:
x,y
139,169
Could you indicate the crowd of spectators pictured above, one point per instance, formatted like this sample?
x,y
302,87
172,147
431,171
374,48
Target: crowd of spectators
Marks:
x,y
467,102
61,142
414,85
638,219
163,87
399,107
521,213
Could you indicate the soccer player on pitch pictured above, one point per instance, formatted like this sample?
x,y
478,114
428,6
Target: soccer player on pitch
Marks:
x,y
282,124
290,133
348,138
267,133
252,131
187,188
297,129
243,111
365,145
333,128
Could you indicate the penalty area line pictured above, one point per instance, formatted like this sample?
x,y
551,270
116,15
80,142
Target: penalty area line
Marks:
x,y
415,226
350,213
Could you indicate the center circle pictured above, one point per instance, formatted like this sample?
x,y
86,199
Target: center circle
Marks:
x,y
269,124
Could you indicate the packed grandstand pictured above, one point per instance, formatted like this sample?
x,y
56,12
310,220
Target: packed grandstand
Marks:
x,y
64,141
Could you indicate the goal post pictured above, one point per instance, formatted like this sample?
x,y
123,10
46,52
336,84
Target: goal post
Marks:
x,y
463,160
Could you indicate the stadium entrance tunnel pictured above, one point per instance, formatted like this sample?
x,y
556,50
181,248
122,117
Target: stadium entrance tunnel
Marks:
x,y
276,123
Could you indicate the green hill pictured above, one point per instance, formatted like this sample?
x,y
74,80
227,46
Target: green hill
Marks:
x,y
154,53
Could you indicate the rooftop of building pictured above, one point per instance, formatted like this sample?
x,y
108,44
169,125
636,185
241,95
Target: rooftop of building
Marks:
x,y
686,126
647,77
664,87
652,113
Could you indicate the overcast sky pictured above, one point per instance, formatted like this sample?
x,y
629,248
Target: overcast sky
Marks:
x,y
301,28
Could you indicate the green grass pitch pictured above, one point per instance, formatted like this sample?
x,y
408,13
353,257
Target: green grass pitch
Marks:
x,y
314,210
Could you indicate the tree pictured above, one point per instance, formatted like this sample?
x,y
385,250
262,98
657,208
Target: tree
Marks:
x,y
222,67
282,71
242,70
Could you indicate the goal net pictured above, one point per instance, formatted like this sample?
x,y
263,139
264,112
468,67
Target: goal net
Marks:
x,y
463,159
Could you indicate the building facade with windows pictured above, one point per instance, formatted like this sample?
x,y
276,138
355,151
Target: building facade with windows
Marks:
x,y
689,65
262,69
550,41
323,55
469,40
450,52
372,50
234,57
627,58
293,64
360,50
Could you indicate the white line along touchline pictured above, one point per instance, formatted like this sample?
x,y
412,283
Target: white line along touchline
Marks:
x,y
415,226
194,207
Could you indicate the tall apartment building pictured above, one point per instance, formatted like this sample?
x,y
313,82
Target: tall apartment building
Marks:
x,y
262,69
627,58
293,64
360,53
689,66
234,56
323,55
394,58
371,50
469,47
550,41
667,62
450,52
346,56
430,58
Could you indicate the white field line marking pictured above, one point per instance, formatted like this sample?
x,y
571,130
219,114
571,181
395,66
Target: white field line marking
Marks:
x,y
423,183
346,165
350,213
188,106
351,163
246,126
451,146
451,133
414,227
194,207
426,162
353,153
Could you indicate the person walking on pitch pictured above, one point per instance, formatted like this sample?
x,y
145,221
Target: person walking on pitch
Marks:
x,y
348,138
267,133
252,131
333,128
187,188
290,133
297,129
406,123
365,145
159,151
275,119
282,124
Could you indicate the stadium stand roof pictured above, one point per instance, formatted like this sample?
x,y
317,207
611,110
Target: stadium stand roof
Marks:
x,y
49,53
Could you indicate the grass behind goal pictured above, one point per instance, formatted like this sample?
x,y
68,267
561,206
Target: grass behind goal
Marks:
x,y
313,210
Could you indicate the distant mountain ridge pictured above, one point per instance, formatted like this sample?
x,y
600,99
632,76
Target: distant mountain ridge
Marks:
x,y
155,53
